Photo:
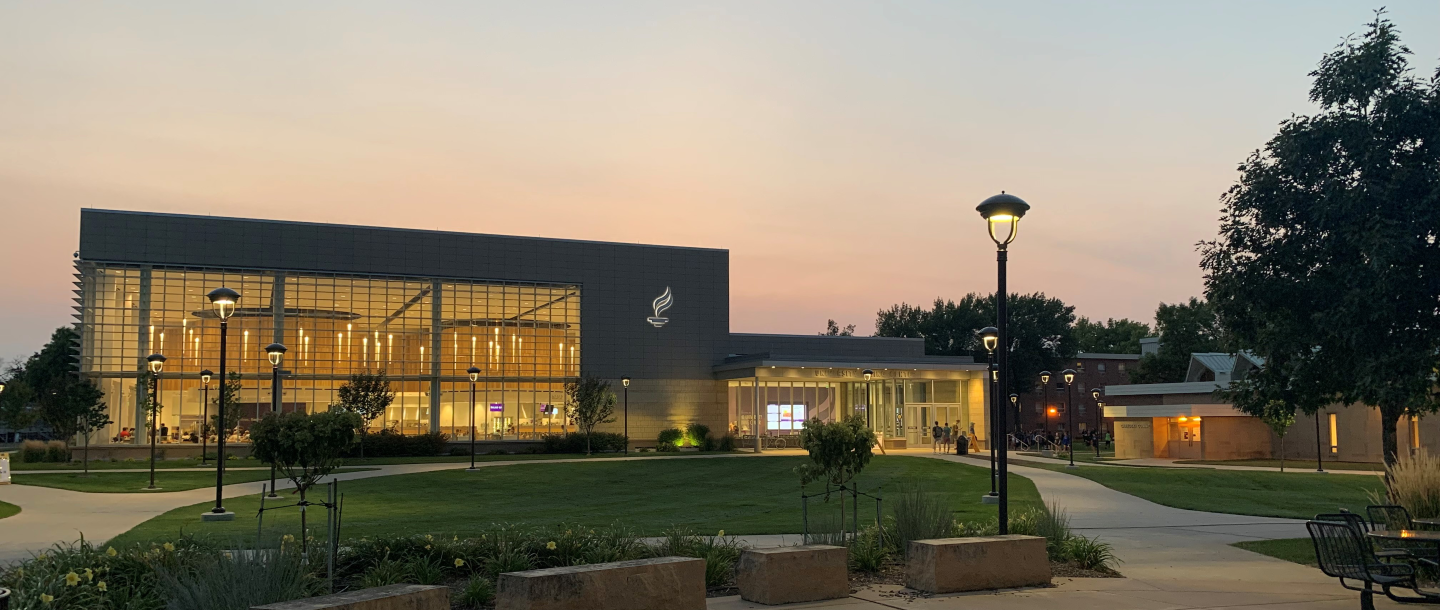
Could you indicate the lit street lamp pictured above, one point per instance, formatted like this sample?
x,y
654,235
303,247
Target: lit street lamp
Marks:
x,y
1015,406
156,362
1003,212
990,337
625,382
1099,420
1069,376
1045,392
474,373
223,301
205,413
274,352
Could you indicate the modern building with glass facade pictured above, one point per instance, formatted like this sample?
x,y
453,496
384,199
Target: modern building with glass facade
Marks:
x,y
425,306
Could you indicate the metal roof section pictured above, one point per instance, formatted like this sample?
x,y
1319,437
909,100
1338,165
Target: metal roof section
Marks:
x,y
1190,410
746,365
1218,364
1143,389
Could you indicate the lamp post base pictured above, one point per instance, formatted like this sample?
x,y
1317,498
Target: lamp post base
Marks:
x,y
150,488
214,516
989,499
471,469
1069,466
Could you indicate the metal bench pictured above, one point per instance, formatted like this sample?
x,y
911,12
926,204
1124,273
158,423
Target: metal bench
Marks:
x,y
1396,517
1343,552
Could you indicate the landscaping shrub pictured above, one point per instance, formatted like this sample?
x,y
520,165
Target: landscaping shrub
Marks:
x,y
669,440
719,552
386,572
918,515
478,592
238,580
57,451
699,436
726,443
1413,481
868,552
425,571
389,443
33,451
574,442
1091,554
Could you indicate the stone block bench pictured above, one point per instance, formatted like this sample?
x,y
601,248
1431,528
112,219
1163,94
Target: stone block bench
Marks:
x,y
950,565
787,575
663,583
392,597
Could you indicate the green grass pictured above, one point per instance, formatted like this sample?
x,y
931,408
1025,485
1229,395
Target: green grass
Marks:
x,y
454,459
8,510
1296,465
1295,550
1080,456
739,495
135,482
129,464
1240,492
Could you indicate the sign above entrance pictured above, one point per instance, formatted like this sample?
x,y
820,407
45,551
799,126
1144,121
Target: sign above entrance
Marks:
x,y
660,304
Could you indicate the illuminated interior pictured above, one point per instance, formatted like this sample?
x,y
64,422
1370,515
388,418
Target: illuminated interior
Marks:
x,y
423,333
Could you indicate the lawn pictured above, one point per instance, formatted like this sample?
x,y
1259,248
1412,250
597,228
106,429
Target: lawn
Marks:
x,y
1296,550
135,482
250,463
7,510
741,495
1296,465
1241,492
1082,455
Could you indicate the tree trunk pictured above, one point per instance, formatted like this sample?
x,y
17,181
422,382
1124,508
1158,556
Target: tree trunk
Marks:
x,y
87,455
1282,453
304,543
1389,436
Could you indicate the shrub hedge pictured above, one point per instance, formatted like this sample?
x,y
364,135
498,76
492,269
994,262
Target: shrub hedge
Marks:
x,y
389,443
574,442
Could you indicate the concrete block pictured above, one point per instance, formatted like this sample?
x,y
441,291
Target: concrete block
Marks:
x,y
787,575
662,583
949,565
392,597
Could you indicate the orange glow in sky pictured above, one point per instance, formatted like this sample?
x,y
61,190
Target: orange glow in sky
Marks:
x,y
837,150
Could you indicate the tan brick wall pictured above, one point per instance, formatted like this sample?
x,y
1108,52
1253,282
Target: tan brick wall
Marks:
x,y
1134,438
1235,438
657,404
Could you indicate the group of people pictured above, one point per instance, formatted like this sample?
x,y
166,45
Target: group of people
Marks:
x,y
128,434
944,437
1093,439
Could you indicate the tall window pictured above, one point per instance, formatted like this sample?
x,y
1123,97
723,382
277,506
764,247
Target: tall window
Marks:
x,y
1334,435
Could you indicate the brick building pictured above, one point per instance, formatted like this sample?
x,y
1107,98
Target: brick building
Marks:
x,y
1092,370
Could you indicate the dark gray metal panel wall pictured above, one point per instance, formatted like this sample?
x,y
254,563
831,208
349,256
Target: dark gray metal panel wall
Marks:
x,y
819,345
618,281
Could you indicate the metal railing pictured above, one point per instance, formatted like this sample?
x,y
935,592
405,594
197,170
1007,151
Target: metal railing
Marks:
x,y
855,512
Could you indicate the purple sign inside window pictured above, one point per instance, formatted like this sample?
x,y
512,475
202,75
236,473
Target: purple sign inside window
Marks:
x,y
497,407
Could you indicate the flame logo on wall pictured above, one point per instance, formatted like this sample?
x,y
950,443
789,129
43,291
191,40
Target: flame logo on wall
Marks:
x,y
661,303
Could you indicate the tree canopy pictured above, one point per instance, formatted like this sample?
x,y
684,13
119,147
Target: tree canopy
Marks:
x,y
45,389
1328,259
1185,328
1111,336
1041,337
365,394
592,403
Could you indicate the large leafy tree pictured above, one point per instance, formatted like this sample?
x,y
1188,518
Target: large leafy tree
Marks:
x,y
365,394
46,389
1040,331
1185,328
1328,258
1111,336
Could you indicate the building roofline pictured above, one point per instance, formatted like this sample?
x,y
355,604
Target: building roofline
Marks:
x,y
1105,356
827,337
400,229
1142,389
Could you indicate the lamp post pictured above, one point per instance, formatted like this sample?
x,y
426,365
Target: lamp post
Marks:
x,y
1045,392
869,417
223,301
990,337
625,383
1014,404
1099,421
1099,404
156,362
1319,454
474,373
275,352
204,413
1069,376
1003,211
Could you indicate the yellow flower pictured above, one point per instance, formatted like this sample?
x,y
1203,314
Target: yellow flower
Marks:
x,y
47,598
428,537
289,538
101,586
89,574
459,563
169,547
111,552
550,545
722,533
72,579
455,539
427,547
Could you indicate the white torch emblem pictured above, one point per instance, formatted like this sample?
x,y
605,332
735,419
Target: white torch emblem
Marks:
x,y
661,303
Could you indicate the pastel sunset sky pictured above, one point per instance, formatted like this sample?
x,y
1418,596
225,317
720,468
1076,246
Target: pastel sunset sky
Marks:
x,y
837,149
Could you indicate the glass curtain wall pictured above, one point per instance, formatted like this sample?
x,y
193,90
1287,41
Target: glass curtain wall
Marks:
x,y
895,408
422,333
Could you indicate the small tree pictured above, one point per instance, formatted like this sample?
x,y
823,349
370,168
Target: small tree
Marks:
x,y
1279,416
304,448
229,392
92,414
367,395
592,404
838,452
